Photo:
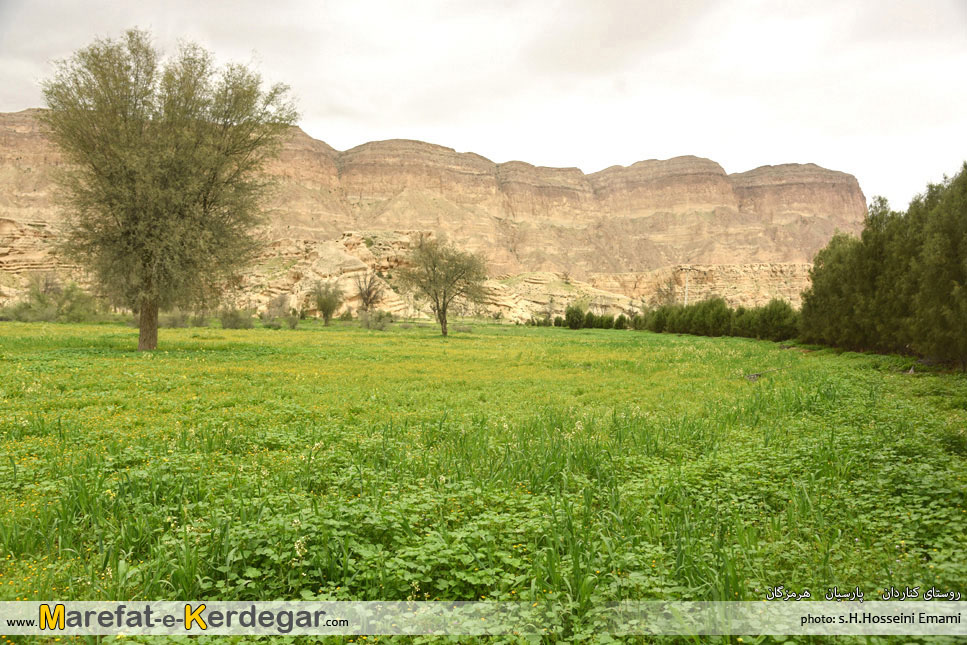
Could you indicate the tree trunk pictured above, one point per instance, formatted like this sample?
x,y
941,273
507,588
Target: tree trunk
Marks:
x,y
148,325
442,317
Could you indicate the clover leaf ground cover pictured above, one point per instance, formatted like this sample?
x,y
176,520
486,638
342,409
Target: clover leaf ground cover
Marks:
x,y
508,463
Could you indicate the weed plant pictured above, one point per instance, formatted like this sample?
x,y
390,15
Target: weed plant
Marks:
x,y
511,463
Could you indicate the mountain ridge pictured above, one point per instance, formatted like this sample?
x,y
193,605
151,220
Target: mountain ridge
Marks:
x,y
620,220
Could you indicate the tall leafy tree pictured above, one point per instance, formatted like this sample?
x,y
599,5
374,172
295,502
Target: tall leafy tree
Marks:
x,y
439,273
902,286
828,304
163,187
941,304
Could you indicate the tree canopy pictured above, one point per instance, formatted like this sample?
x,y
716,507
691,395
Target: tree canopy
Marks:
x,y
440,274
163,187
900,287
328,298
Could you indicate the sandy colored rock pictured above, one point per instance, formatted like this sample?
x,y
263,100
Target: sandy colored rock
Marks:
x,y
609,230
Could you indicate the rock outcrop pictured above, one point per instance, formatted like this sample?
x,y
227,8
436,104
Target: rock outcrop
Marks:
x,y
750,233
747,285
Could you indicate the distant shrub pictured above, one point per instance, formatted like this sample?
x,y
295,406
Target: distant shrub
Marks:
x,y
175,319
377,320
574,317
236,318
539,321
346,316
76,305
558,321
200,319
48,301
278,307
712,317
292,321
327,298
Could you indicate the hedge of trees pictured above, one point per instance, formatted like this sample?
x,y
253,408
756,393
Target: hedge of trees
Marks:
x,y
900,287
774,321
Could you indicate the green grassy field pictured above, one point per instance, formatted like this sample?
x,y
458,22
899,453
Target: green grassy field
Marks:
x,y
506,463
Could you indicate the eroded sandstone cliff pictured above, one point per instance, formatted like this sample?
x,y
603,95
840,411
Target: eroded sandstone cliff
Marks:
x,y
745,236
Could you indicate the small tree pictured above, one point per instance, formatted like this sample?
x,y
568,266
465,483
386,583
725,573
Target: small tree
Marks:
x,y
778,320
574,317
163,183
327,297
440,273
369,289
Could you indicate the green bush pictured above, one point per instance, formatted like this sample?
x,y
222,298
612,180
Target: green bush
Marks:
x,y
574,317
711,318
175,319
639,322
327,297
745,322
658,319
346,316
377,320
621,322
677,321
48,301
590,321
605,321
778,321
236,318
539,321
558,321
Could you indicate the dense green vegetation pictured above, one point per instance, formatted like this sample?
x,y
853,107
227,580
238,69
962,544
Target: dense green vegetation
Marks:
x,y
713,317
511,462
901,287
47,300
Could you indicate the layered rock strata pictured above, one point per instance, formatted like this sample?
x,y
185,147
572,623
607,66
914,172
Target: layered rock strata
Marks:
x,y
609,230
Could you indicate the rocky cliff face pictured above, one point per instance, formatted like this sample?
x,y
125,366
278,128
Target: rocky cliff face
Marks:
x,y
619,222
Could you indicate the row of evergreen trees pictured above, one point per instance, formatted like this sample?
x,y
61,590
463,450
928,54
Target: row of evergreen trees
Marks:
x,y
577,318
774,321
900,287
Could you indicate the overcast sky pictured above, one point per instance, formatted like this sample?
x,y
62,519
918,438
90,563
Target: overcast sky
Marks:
x,y
874,88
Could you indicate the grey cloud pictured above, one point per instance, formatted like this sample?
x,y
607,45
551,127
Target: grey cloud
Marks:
x,y
588,38
866,87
